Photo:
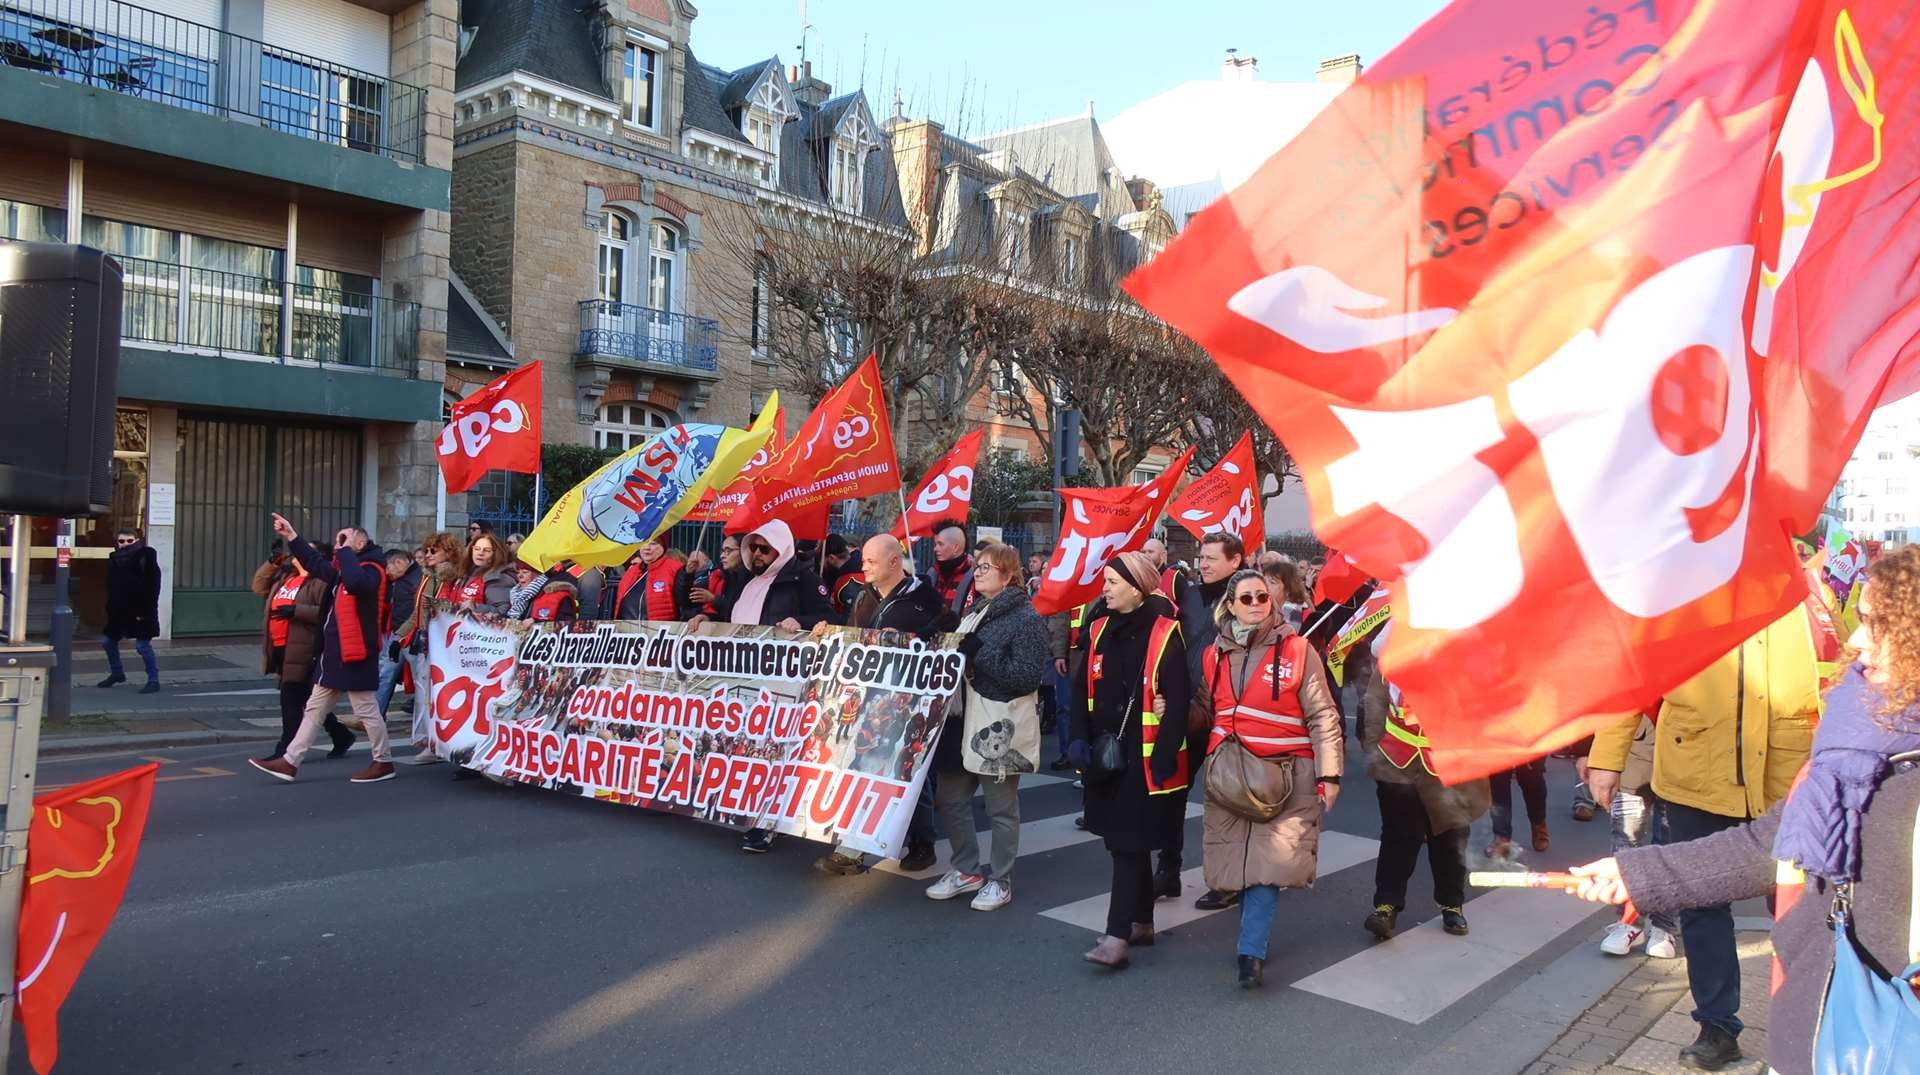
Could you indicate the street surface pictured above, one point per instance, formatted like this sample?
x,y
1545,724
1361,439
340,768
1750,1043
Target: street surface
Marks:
x,y
435,925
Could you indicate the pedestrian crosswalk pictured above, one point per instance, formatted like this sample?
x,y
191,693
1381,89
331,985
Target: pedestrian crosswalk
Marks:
x,y
1411,978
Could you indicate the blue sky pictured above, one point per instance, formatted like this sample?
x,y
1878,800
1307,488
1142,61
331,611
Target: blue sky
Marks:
x,y
991,64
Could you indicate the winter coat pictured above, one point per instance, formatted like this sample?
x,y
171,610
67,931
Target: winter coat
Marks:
x,y
362,576
913,606
403,595
494,598
424,604
1738,863
293,663
1447,808
1286,850
133,593
797,593
1730,740
558,600
1006,659
1122,810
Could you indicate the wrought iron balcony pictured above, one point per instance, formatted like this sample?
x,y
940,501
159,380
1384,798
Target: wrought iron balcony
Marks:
x,y
157,57
625,334
231,313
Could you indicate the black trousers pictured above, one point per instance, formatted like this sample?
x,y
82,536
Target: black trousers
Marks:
x,y
1132,897
1403,831
293,706
1532,778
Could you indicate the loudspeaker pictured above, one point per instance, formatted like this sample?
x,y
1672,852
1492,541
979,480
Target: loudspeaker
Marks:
x,y
59,375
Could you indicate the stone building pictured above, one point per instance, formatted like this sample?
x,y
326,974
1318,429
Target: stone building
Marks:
x,y
272,176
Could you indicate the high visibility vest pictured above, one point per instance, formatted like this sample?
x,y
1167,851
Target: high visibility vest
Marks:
x,y
1167,582
551,605
1400,741
1077,625
1159,638
1267,716
659,578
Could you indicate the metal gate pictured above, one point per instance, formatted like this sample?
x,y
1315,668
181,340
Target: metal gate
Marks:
x,y
232,476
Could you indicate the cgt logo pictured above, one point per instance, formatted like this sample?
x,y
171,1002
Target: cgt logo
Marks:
x,y
471,433
946,491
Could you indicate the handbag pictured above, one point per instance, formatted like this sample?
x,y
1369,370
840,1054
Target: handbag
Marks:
x,y
1000,739
1868,1025
1105,758
1245,784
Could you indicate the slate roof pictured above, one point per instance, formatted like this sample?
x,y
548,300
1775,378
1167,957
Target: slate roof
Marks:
x,y
471,334
547,38
701,107
1070,156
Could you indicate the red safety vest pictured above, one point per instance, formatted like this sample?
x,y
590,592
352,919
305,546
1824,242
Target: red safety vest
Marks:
x,y
282,597
1166,582
660,604
470,590
1158,639
551,605
1269,722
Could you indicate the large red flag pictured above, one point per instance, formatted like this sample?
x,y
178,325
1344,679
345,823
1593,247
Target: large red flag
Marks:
x,y
1224,498
946,493
719,506
80,852
1569,317
843,450
1098,525
495,428
1338,580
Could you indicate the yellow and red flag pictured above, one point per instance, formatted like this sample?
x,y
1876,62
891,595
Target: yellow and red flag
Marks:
x,y
80,853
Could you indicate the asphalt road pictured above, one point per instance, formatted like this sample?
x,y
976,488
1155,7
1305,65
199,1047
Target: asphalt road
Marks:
x,y
435,925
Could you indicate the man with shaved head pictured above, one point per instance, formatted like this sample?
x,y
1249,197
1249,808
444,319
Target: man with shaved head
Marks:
x,y
952,571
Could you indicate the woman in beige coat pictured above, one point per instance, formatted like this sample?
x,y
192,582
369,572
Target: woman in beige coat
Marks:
x,y
1274,759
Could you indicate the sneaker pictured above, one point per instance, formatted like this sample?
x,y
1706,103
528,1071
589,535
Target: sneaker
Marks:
x,y
955,883
111,680
1660,943
1080,822
1454,921
757,841
373,774
917,858
1621,939
1079,785
1712,1050
1541,840
152,687
1380,922
1583,805
993,895
841,864
1212,900
277,768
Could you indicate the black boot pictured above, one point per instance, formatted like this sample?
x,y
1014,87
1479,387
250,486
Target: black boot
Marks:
x,y
1251,970
1380,922
1212,900
112,679
1712,1050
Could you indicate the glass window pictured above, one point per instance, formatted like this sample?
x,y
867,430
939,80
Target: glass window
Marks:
x,y
663,258
32,223
611,269
326,104
642,85
762,303
628,425
333,316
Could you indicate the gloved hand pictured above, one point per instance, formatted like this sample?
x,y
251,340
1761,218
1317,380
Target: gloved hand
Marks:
x,y
969,647
282,612
1077,753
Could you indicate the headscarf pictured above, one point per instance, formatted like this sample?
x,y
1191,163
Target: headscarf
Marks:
x,y
1820,824
753,596
1138,570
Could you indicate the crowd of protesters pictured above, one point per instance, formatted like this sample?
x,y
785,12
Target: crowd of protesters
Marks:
x,y
1220,665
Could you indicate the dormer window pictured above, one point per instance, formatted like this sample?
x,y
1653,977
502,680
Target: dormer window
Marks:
x,y
763,130
849,174
643,78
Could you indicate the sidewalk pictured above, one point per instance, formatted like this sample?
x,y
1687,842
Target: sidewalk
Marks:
x,y
1639,1026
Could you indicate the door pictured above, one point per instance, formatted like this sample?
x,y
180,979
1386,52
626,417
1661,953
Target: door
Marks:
x,y
232,476
611,279
663,282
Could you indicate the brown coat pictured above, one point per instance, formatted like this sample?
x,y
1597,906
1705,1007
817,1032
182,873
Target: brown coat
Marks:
x,y
1447,807
1286,850
426,604
296,663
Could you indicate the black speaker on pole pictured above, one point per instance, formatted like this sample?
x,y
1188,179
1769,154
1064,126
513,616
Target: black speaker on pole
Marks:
x,y
59,376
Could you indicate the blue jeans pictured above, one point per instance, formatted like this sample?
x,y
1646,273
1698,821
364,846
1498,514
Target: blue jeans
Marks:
x,y
1713,956
1257,906
141,646
389,679
1633,816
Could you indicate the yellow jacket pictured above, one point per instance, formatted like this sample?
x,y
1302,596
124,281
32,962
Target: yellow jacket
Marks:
x,y
1730,740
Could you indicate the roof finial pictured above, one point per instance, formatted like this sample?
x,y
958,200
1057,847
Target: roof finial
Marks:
x,y
899,111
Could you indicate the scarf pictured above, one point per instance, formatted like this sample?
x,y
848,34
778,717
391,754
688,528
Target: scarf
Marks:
x,y
1240,632
1820,824
523,595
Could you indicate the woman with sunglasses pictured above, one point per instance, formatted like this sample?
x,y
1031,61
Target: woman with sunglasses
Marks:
x,y
1278,748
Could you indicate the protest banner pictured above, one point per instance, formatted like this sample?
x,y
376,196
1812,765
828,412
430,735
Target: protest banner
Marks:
x,y
826,737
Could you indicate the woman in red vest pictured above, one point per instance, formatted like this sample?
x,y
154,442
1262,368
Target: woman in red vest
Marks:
x,y
1275,731
484,584
653,586
1136,670
290,645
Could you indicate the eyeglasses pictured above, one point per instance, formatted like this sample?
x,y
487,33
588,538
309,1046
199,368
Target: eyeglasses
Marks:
x,y
1255,599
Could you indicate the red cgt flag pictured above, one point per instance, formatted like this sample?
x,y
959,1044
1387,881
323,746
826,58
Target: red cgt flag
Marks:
x,y
1569,317
1224,498
1340,579
720,506
1098,525
946,493
843,450
80,853
496,428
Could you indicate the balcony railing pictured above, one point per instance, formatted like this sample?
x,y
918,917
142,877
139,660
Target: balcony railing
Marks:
x,y
621,330
231,313
147,54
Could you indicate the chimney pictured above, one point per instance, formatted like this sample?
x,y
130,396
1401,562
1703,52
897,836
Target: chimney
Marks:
x,y
916,160
1340,70
807,88
1238,68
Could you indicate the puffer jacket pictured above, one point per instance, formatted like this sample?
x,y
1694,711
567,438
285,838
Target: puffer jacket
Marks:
x,y
295,663
1730,740
1286,850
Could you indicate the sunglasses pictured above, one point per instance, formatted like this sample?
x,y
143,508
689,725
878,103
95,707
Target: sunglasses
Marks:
x,y
1255,599
760,550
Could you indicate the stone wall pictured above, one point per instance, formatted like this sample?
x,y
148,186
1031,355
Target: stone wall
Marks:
x,y
483,209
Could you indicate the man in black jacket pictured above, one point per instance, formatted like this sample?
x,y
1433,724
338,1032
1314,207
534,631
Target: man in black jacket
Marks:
x,y
403,590
133,607
782,592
